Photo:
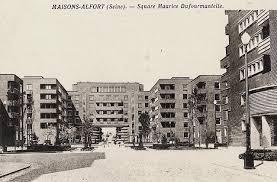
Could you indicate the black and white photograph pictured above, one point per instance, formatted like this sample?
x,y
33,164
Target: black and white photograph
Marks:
x,y
138,91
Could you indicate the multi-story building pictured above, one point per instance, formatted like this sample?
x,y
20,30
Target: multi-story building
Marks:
x,y
169,113
7,132
45,108
109,105
11,92
206,110
261,25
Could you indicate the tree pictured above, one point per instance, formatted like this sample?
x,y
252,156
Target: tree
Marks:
x,y
144,119
164,139
192,116
50,131
67,133
88,128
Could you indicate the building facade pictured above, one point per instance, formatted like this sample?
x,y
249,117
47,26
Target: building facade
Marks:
x,y
262,72
7,132
169,114
11,94
109,105
45,109
205,107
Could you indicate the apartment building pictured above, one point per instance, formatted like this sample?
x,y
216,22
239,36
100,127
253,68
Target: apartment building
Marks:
x,y
45,111
169,108
261,25
206,110
11,92
109,105
7,132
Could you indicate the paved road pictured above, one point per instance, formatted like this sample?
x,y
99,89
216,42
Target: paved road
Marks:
x,y
126,165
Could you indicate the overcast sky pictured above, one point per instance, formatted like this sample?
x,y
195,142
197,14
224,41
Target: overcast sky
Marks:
x,y
114,46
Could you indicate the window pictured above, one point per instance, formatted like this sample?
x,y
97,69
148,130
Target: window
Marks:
x,y
185,114
48,105
146,97
218,121
29,87
225,131
48,96
91,97
76,113
43,125
186,124
140,127
186,134
139,105
217,97
123,89
146,105
248,21
216,85
185,87
48,115
168,134
69,113
140,97
185,105
48,86
201,120
225,100
185,96
217,108
201,85
125,97
242,100
139,112
226,115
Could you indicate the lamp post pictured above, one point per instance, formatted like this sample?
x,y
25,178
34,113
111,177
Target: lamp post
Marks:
x,y
248,157
215,137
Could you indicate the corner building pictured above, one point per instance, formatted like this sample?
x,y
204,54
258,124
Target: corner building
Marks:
x,y
45,110
109,105
208,121
11,94
261,25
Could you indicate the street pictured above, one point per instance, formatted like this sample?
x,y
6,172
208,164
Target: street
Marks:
x,y
123,164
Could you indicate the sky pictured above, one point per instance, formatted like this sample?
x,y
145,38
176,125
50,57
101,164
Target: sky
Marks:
x,y
109,46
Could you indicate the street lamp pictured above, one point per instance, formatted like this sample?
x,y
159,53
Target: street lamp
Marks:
x,y
248,157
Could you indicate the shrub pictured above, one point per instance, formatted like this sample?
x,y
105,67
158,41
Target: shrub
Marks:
x,y
267,155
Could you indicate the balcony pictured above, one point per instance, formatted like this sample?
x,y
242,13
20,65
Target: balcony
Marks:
x,y
227,29
225,62
29,121
12,90
264,45
13,114
263,16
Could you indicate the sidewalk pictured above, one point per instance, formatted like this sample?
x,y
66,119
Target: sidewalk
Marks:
x,y
231,161
7,168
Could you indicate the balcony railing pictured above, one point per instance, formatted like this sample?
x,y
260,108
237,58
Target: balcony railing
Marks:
x,y
264,45
263,16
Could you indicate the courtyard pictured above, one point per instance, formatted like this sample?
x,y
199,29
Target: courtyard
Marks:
x,y
122,164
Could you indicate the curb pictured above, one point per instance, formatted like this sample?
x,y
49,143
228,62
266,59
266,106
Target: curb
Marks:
x,y
21,169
